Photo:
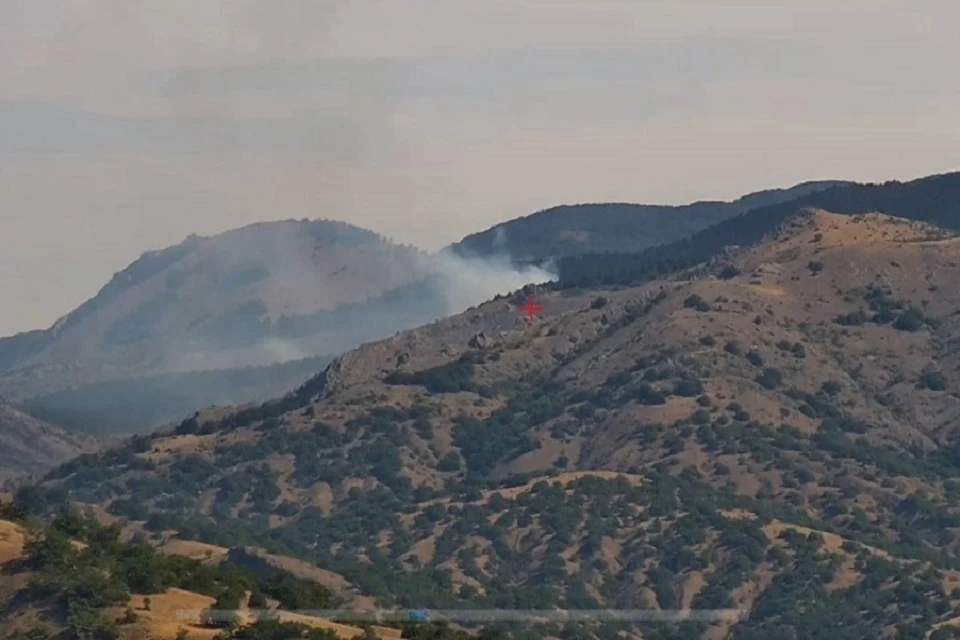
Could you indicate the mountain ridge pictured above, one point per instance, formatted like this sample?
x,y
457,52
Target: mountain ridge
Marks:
x,y
231,318
771,430
929,199
564,230
212,262
55,381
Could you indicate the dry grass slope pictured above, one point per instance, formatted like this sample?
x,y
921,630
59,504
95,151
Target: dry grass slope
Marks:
x,y
159,616
797,399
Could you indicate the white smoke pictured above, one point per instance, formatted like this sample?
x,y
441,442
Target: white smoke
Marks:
x,y
458,283
500,242
267,351
469,281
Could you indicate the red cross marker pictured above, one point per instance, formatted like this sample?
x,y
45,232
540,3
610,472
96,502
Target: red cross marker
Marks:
x,y
530,308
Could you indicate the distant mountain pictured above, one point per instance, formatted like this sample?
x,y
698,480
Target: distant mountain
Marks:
x,y
595,228
30,446
211,304
241,316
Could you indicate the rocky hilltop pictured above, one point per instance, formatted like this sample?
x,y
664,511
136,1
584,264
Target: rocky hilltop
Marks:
x,y
213,303
770,431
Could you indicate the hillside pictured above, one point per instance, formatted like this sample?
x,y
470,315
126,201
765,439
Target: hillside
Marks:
x,y
774,432
570,230
29,446
75,577
238,317
933,199
210,303
131,405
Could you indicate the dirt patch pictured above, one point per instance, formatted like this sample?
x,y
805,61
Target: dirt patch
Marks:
x,y
304,570
12,539
195,550
170,612
691,587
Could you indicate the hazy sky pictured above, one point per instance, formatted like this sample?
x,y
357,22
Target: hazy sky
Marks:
x,y
127,124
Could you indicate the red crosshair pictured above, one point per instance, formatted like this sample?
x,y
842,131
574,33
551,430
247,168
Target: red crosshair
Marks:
x,y
530,308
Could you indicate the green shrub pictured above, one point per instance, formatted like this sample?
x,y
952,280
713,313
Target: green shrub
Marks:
x,y
831,387
729,271
932,380
646,394
770,378
694,301
450,462
852,319
688,387
910,320
700,416
447,378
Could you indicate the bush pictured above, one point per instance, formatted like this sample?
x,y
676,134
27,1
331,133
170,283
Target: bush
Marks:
x,y
831,387
770,378
728,271
910,320
732,347
447,378
932,380
450,462
853,319
700,416
708,341
646,394
688,387
694,301
755,358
